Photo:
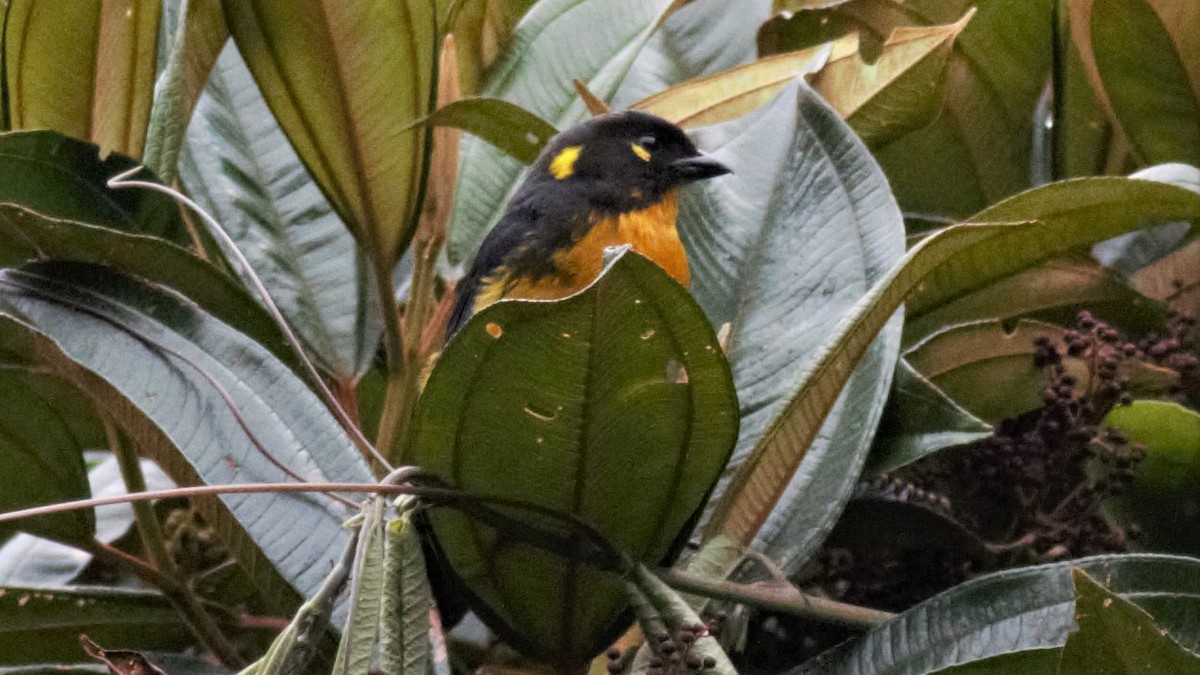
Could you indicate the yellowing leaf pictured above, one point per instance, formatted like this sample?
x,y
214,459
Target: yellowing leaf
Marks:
x,y
85,68
346,80
896,93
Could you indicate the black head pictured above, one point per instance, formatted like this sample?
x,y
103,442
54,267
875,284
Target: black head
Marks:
x,y
636,155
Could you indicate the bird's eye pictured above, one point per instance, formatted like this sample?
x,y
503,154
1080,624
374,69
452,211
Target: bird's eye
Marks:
x,y
647,142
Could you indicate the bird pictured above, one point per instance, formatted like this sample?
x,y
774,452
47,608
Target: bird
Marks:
x,y
611,180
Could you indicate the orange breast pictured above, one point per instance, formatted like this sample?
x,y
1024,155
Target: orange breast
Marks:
x,y
651,232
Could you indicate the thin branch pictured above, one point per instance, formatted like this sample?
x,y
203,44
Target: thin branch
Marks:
x,y
792,601
149,530
198,620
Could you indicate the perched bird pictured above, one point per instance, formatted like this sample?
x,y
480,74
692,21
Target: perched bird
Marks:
x,y
609,181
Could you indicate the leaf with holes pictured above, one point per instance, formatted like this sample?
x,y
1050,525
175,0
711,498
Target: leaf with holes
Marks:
x,y
614,405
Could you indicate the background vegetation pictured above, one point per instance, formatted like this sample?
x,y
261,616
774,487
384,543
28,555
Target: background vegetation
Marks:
x,y
939,358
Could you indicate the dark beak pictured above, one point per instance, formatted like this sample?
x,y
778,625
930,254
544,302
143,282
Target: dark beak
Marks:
x,y
698,167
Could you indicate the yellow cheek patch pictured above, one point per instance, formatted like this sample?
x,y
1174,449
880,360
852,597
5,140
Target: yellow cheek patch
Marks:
x,y
642,153
563,164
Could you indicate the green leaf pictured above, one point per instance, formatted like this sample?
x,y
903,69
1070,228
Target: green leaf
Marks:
x,y
699,38
614,405
33,561
238,166
783,249
85,69
535,72
1116,637
361,630
40,625
919,419
1009,612
27,236
404,647
1070,215
62,177
951,261
892,95
1053,291
977,149
1148,69
989,369
153,361
346,80
41,446
189,45
1164,499
511,128
1131,252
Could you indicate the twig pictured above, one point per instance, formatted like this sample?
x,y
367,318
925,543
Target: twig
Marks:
x,y
198,619
796,603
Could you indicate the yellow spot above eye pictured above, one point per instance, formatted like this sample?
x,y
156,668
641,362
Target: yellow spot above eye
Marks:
x,y
641,152
563,164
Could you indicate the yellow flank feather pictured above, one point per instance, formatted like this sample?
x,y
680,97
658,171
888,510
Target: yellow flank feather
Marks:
x,y
651,231
563,164
642,153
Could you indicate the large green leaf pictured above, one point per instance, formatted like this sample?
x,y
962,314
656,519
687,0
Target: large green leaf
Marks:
x,y
614,405
346,80
1164,499
1146,62
535,72
25,235
1116,637
83,68
41,625
1052,291
1013,611
951,261
978,149
153,362
63,177
783,250
1071,214
238,165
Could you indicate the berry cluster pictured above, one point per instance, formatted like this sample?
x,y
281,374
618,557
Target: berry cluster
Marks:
x,y
1041,478
673,654
1177,350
